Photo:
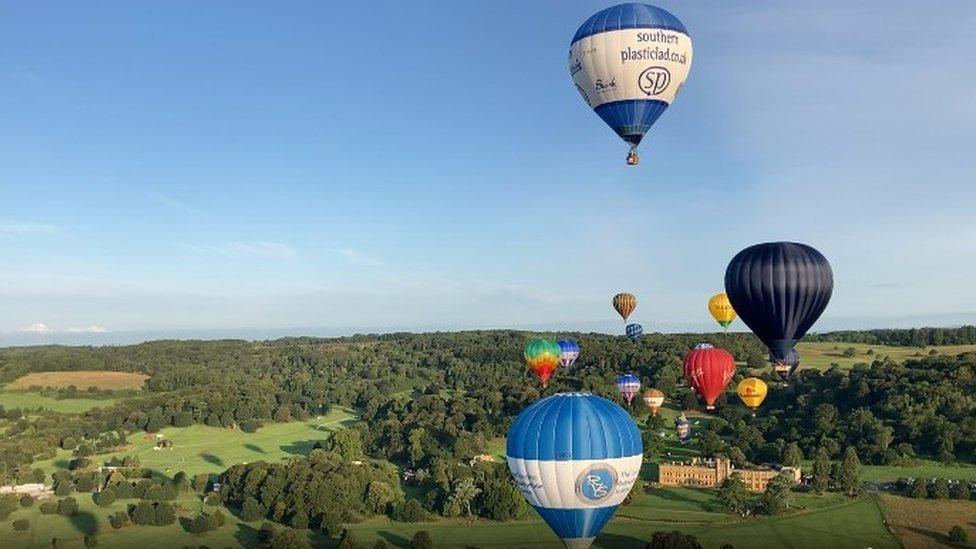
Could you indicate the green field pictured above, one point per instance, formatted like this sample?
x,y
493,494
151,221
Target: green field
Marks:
x,y
31,400
830,520
202,449
924,469
822,354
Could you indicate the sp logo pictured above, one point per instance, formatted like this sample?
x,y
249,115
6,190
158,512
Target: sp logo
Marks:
x,y
654,80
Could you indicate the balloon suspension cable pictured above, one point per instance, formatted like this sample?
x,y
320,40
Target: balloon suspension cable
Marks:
x,y
632,157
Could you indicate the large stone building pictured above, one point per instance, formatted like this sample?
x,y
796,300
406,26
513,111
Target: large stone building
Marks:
x,y
710,473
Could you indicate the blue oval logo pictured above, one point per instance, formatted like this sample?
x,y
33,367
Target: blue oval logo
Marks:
x,y
596,483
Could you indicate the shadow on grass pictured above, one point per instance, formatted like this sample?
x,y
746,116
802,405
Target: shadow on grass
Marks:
x,y
255,448
299,447
616,541
212,459
247,536
85,522
935,536
395,540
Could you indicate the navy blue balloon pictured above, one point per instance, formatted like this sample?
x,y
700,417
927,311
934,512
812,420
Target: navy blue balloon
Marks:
x,y
634,331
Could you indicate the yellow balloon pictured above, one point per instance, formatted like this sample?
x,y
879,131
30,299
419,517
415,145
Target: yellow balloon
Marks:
x,y
752,391
721,309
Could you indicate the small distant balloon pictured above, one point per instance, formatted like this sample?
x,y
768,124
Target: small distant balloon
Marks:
x,y
629,386
653,399
542,357
787,365
634,331
752,392
709,371
624,304
721,309
683,428
569,352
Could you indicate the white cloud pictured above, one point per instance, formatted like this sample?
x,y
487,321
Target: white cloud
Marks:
x,y
93,329
360,258
263,249
37,328
173,204
15,228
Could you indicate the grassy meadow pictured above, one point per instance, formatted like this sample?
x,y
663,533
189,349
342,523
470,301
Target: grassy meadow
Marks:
x,y
821,355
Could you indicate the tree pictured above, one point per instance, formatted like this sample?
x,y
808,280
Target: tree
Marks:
x,y
47,508
962,490
940,489
821,470
958,535
38,475
710,444
732,494
421,540
737,457
286,538
919,489
850,472
348,540
27,500
21,525
200,483
106,497
464,492
266,532
673,540
379,496
67,507
380,544
64,488
252,510
347,443
143,513
411,511
118,519
792,455
776,499
91,540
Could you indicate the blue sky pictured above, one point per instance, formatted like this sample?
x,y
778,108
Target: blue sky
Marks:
x,y
311,167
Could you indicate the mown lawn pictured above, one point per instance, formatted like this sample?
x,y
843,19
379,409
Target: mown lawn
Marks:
x,y
821,355
31,400
202,449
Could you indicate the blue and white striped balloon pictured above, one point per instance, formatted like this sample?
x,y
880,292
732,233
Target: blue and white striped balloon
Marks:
x,y
629,386
575,457
634,331
629,63
570,352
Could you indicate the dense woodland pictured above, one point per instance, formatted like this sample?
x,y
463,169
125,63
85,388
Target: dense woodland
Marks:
x,y
430,402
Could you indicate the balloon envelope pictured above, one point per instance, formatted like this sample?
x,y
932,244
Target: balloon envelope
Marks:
x,y
624,304
752,392
779,289
721,309
653,399
709,371
629,386
683,427
629,63
569,352
575,457
542,357
634,331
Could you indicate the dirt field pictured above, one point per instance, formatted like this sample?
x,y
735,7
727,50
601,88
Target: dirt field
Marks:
x,y
925,523
82,380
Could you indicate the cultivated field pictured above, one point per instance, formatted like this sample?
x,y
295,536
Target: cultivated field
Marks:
x,y
81,379
926,523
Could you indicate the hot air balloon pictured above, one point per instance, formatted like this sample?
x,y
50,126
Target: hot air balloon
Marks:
x,y
575,457
629,63
542,357
654,399
634,331
779,289
752,392
787,365
683,427
721,309
624,304
569,352
629,386
709,371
